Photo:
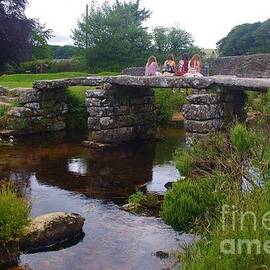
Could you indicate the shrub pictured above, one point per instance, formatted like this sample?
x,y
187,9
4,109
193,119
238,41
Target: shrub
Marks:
x,y
14,213
187,202
206,254
241,138
76,117
204,157
183,161
167,102
52,66
3,111
136,197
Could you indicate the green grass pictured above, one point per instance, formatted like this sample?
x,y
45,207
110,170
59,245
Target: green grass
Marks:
x,y
76,117
14,212
168,102
26,80
207,253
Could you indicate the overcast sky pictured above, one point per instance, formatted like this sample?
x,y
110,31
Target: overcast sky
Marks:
x,y
207,20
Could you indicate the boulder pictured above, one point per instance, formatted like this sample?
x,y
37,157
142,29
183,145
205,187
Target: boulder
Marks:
x,y
202,112
50,230
203,126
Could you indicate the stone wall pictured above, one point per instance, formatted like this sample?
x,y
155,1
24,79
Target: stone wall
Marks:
x,y
252,66
120,114
210,112
38,110
134,71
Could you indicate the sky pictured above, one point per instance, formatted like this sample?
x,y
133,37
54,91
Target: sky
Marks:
x,y
207,20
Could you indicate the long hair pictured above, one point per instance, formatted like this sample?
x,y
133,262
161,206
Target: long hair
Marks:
x,y
151,59
185,58
195,58
170,57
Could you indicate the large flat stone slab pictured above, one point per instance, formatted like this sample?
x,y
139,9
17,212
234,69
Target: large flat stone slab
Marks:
x,y
212,82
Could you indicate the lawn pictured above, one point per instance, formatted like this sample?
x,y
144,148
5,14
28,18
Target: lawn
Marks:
x,y
26,80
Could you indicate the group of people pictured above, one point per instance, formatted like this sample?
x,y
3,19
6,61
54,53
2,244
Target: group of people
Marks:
x,y
186,67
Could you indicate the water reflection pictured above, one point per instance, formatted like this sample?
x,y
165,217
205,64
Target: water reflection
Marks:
x,y
60,175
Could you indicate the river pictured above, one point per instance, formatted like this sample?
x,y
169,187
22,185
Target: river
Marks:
x,y
58,174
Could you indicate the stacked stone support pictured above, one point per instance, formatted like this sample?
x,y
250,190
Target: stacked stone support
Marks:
x,y
38,110
209,112
119,114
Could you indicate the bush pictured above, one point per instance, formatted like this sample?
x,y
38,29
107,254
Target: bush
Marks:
x,y
241,138
188,202
183,161
52,66
167,102
204,157
136,197
259,102
3,111
14,213
206,254
76,117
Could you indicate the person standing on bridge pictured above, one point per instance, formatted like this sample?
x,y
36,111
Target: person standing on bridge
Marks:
x,y
151,68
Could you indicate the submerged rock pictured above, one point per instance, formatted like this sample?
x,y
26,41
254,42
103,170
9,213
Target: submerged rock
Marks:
x,y
51,230
162,255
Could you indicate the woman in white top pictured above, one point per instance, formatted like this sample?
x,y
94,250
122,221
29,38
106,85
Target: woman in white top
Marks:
x,y
194,66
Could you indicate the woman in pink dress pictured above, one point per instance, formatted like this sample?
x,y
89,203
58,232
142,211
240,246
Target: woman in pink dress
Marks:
x,y
151,68
183,65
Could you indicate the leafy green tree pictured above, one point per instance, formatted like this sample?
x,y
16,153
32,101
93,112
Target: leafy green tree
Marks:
x,y
15,32
65,52
246,39
40,37
113,35
172,40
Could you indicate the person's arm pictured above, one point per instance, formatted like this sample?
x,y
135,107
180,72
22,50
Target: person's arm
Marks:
x,y
198,66
174,66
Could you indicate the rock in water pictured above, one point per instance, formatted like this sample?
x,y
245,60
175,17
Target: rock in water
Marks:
x,y
51,230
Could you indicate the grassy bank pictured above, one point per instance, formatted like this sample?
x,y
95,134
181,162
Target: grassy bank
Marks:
x,y
14,212
26,80
226,175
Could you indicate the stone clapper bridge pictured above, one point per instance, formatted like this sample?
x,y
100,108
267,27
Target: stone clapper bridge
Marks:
x,y
121,108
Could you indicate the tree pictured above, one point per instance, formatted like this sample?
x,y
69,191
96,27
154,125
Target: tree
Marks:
x,y
40,37
113,35
172,40
65,52
246,39
15,32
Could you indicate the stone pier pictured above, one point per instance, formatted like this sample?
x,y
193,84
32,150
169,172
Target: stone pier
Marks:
x,y
118,114
211,112
38,109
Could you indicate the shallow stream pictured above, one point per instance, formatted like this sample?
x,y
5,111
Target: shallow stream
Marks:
x,y
58,174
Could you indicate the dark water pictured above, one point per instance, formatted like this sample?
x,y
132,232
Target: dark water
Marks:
x,y
58,174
